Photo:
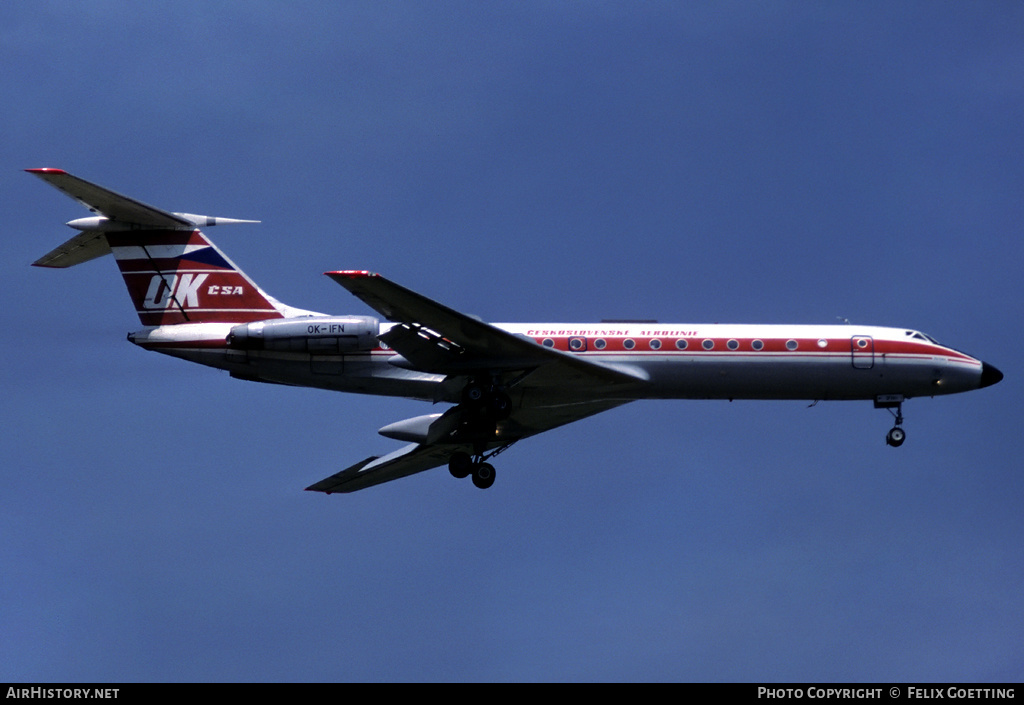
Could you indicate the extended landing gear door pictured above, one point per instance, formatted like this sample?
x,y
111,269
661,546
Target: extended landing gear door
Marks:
x,y
863,351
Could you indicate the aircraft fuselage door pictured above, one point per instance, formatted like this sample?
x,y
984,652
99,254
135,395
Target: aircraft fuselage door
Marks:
x,y
863,351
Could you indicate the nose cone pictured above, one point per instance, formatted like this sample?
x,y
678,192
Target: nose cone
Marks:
x,y
989,375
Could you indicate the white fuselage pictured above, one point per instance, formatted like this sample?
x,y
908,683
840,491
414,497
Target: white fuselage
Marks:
x,y
668,361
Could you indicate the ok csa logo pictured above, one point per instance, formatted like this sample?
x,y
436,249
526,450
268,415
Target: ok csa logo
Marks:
x,y
165,290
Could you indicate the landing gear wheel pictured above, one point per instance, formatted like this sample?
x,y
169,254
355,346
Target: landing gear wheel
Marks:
x,y
500,405
492,402
483,475
460,465
895,437
473,394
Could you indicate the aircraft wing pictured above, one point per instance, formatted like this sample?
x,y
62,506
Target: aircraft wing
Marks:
x,y
558,387
417,457
405,461
435,338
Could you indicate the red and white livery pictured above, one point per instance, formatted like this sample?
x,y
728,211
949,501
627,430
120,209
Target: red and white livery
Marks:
x,y
504,382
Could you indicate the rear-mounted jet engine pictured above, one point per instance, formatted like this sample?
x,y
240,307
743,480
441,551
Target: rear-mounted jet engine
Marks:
x,y
319,335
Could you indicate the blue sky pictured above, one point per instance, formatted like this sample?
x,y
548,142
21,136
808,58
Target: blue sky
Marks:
x,y
522,161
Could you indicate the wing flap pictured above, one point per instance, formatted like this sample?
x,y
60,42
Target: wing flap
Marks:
x,y
396,303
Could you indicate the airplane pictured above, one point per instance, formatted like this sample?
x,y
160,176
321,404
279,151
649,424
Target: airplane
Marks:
x,y
503,381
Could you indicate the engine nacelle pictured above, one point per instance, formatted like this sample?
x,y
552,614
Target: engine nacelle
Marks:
x,y
319,335
430,428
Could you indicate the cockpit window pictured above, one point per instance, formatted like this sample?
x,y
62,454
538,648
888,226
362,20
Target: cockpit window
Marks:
x,y
917,335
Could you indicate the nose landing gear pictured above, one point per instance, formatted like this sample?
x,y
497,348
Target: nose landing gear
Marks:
x,y
893,403
896,436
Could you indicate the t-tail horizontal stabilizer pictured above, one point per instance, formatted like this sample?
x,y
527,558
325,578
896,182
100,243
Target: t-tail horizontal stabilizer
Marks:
x,y
117,213
173,272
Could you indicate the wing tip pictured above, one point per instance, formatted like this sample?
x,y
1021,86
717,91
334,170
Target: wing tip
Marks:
x,y
351,274
46,170
314,488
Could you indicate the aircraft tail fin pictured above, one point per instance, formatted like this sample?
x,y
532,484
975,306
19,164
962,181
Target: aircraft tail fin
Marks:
x,y
173,272
176,276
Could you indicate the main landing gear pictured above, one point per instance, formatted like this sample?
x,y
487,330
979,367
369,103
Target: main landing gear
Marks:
x,y
462,465
484,406
893,403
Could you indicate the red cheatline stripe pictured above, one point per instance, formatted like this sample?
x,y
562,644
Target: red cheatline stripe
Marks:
x,y
186,344
806,346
